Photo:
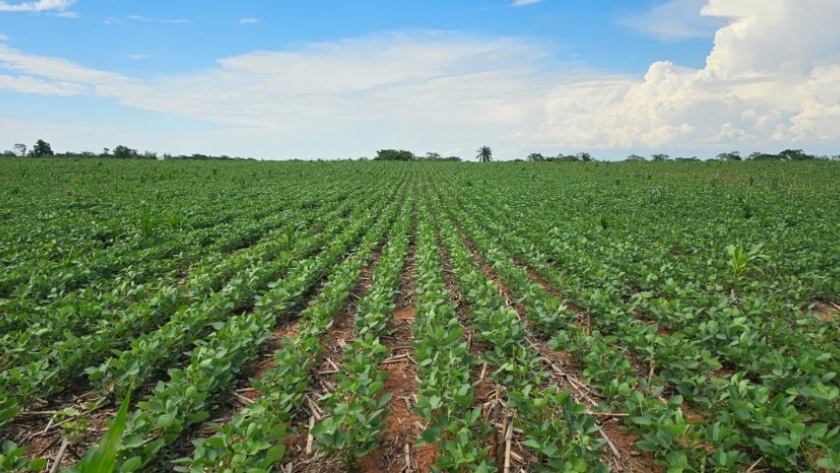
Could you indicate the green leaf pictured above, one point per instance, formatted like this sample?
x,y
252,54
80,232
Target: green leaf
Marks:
x,y
104,458
9,413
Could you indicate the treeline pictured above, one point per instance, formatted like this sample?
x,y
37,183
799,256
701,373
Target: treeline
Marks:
x,y
403,155
42,149
786,155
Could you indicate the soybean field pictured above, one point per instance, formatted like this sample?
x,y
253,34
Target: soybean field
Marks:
x,y
236,316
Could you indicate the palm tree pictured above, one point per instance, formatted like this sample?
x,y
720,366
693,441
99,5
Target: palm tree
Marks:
x,y
485,155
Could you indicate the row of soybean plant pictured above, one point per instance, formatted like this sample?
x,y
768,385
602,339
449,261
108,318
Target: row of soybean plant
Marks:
x,y
556,429
776,430
156,330
253,440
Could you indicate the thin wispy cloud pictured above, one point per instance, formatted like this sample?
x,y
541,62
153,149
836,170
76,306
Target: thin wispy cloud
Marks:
x,y
57,70
3,37
33,85
67,14
673,21
140,18
249,21
41,5
522,3
138,57
156,20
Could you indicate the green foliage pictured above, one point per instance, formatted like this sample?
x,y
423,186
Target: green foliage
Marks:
x,y
744,262
124,152
685,294
42,149
394,155
485,154
12,459
103,459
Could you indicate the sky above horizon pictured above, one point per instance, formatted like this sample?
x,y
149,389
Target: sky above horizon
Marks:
x,y
337,79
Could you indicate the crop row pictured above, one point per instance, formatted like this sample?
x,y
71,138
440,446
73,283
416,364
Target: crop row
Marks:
x,y
738,413
556,429
185,313
263,424
355,419
191,393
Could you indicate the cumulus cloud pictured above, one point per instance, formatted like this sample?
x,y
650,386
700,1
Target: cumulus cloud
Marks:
x,y
772,78
41,5
674,20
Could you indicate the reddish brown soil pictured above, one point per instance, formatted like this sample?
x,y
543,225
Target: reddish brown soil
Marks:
x,y
396,451
828,311
403,426
299,447
42,431
322,383
405,314
631,458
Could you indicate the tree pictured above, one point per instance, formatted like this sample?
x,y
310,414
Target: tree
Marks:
x,y
431,156
733,156
394,155
124,152
660,157
41,149
759,156
485,154
635,157
584,156
795,155
536,157
20,149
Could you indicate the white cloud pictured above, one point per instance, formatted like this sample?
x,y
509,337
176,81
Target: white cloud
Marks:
x,y
41,5
138,57
522,3
156,20
364,93
249,21
766,84
32,85
67,14
674,20
772,78
3,37
59,70
111,20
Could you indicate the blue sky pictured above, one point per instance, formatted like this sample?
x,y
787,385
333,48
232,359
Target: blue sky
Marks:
x,y
324,79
